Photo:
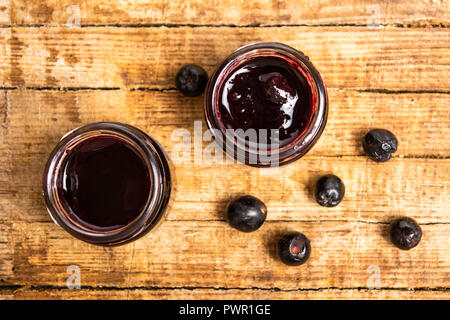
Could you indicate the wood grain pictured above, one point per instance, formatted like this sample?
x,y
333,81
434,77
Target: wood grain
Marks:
x,y
218,294
418,120
348,57
373,194
32,130
230,12
5,54
120,64
210,254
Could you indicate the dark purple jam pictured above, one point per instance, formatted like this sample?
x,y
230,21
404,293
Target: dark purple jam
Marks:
x,y
267,93
106,183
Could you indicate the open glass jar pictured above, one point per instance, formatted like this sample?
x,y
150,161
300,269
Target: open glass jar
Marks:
x,y
266,104
107,183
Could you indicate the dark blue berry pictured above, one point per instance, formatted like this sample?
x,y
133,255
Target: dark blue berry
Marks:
x,y
294,249
191,80
246,213
329,190
405,233
380,144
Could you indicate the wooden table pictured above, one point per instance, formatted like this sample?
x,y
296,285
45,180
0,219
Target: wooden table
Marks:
x,y
386,64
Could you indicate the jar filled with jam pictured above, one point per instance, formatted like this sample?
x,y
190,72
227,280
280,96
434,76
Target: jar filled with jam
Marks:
x,y
107,183
266,104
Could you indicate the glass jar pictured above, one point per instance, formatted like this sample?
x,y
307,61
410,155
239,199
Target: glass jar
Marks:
x,y
300,135
113,144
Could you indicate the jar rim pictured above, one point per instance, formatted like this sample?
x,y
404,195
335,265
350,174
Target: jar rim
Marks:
x,y
155,159
305,140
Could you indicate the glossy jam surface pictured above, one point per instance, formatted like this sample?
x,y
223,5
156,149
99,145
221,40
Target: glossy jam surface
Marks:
x,y
267,93
105,182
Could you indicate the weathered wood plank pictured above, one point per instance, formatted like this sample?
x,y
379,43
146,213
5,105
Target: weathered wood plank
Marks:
x,y
368,71
211,254
375,192
5,12
359,58
221,294
243,12
6,249
5,54
4,116
418,120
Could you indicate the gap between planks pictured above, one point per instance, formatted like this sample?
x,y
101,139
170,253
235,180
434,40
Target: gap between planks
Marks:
x,y
271,221
192,288
231,25
131,89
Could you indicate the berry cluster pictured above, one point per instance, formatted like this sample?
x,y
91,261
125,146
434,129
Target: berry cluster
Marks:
x,y
248,213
